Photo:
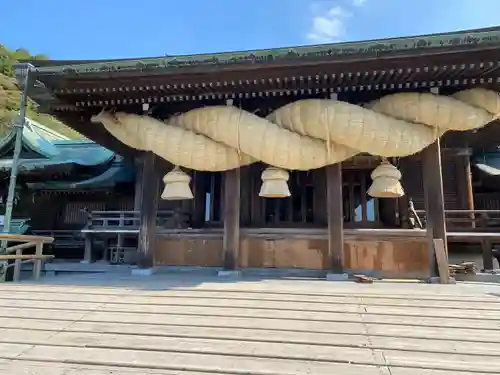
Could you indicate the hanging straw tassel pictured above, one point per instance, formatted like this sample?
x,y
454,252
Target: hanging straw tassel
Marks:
x,y
176,185
274,183
386,182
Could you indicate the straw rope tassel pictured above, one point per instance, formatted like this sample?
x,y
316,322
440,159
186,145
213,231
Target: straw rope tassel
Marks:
x,y
176,185
386,181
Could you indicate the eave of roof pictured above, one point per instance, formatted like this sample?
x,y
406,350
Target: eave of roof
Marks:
x,y
117,173
477,37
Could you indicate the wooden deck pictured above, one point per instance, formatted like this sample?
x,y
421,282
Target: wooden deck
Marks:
x,y
188,324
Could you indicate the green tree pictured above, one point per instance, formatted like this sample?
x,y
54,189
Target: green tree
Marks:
x,y
21,54
9,94
41,57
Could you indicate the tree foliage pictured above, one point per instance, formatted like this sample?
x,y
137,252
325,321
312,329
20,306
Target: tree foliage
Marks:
x,y
10,94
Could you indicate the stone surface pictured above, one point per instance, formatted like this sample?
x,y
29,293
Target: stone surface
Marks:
x,y
229,273
337,276
485,277
437,280
144,271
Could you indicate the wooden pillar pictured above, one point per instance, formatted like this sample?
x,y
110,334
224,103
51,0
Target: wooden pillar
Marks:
x,y
148,203
335,217
466,193
434,201
319,199
404,201
138,162
199,202
486,249
87,255
231,242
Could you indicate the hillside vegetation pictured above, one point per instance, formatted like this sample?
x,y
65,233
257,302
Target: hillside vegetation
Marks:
x,y
10,96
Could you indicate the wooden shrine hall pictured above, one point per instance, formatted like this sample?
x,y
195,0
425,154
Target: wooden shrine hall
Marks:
x,y
294,158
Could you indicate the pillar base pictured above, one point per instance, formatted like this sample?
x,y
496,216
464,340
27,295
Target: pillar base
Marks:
x,y
337,277
437,280
144,271
236,274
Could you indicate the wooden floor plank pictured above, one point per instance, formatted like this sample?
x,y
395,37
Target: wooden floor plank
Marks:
x,y
223,307
246,299
171,324
84,334
17,367
187,361
158,313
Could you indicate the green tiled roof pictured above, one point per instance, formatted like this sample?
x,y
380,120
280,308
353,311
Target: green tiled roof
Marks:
x,y
53,149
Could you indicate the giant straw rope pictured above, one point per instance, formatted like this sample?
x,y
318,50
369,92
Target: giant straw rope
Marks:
x,y
305,134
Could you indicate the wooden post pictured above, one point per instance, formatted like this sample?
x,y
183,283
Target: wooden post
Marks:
x,y
335,218
464,184
434,201
121,225
148,202
486,248
231,242
37,263
469,192
87,255
442,261
17,266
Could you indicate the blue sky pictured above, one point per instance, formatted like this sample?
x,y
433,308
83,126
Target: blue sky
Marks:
x,y
98,29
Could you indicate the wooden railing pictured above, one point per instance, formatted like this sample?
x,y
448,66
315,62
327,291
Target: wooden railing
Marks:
x,y
131,219
469,220
63,238
19,258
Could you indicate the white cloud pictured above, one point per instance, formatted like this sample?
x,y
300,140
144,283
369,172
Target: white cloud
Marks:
x,y
329,25
358,3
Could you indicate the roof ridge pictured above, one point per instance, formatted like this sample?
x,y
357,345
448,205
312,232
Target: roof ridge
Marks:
x,y
416,41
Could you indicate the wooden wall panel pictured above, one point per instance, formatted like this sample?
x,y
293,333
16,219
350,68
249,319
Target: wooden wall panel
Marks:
x,y
400,259
283,253
74,212
487,201
387,258
188,252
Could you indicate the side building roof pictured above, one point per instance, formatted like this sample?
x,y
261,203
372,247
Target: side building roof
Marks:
x,y
49,149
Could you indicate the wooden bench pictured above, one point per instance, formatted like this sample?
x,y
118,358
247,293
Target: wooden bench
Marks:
x,y
19,258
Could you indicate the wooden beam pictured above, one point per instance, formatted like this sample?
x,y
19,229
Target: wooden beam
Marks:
x,y
231,241
434,201
149,204
335,217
